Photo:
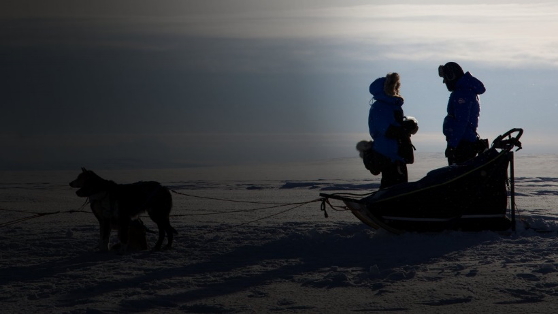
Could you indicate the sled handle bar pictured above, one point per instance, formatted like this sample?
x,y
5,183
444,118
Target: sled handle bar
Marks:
x,y
510,142
513,131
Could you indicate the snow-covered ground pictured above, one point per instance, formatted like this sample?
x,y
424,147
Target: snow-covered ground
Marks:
x,y
234,257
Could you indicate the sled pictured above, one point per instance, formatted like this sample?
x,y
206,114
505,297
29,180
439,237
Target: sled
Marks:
x,y
472,196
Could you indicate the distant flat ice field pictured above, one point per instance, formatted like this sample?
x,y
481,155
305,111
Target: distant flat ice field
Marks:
x,y
536,187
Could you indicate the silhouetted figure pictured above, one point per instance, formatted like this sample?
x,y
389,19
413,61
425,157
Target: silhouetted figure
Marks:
x,y
390,130
462,120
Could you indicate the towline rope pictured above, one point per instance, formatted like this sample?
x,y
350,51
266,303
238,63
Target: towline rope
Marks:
x,y
273,205
226,199
324,201
38,214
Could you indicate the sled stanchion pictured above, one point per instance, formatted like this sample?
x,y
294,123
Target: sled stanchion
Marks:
x,y
512,192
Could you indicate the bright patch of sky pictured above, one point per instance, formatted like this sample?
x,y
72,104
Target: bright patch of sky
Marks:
x,y
502,33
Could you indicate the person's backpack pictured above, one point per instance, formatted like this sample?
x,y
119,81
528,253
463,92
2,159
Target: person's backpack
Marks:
x,y
373,161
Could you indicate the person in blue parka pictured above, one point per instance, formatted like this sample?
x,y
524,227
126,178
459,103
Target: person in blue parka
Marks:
x,y
460,124
385,122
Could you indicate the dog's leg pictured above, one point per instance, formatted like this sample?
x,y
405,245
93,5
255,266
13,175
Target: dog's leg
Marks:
x,y
170,236
157,246
124,224
105,235
161,225
165,227
159,210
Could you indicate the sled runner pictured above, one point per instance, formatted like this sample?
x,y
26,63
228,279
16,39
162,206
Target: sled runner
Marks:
x,y
469,196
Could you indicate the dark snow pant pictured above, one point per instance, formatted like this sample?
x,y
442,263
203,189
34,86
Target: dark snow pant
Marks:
x,y
464,151
394,173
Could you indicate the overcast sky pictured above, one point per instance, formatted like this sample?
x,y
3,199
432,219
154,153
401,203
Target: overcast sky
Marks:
x,y
127,84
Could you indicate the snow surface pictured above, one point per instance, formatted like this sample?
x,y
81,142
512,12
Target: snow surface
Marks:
x,y
232,257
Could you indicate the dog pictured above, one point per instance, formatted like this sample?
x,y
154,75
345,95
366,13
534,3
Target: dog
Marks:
x,y
116,205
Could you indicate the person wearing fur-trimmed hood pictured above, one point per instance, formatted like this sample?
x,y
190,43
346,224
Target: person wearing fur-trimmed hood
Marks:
x,y
386,126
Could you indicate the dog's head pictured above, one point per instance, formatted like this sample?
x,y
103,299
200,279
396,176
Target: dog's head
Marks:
x,y
88,182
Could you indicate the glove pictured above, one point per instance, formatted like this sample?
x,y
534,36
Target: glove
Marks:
x,y
450,152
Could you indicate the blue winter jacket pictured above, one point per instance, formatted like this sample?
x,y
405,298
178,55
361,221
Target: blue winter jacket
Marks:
x,y
463,111
381,116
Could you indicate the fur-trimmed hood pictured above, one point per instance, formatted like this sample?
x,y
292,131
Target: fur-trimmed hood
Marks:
x,y
377,91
